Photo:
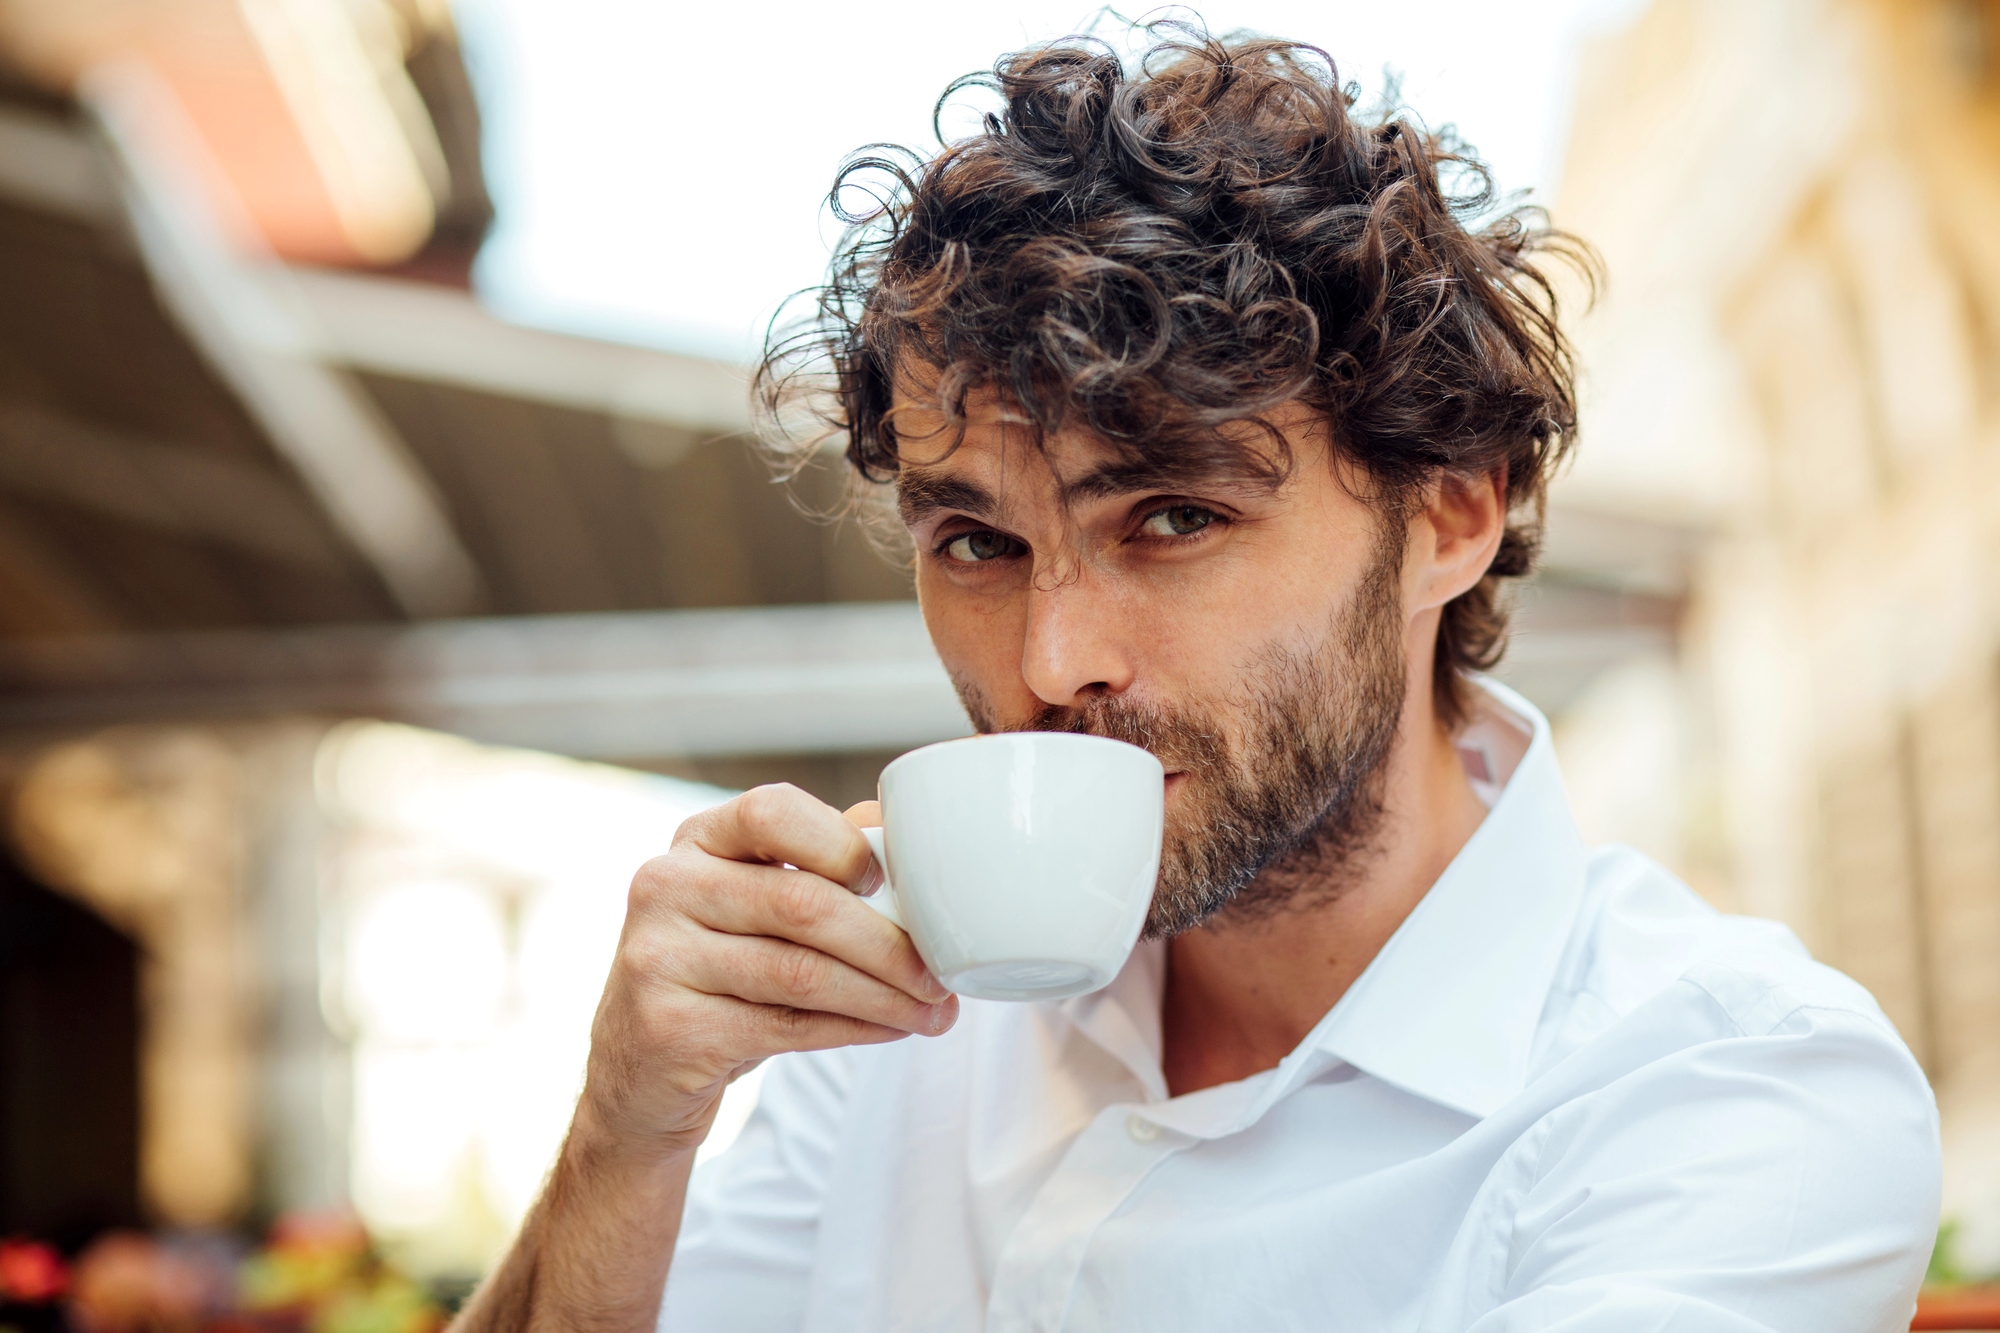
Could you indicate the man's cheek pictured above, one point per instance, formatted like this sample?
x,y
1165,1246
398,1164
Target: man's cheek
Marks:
x,y
982,655
991,704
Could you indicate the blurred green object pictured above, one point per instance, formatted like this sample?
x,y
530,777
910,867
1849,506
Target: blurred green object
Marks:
x,y
306,1260
392,1304
323,1270
1945,1269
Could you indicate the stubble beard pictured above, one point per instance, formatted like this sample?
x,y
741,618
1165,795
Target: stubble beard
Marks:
x,y
1285,818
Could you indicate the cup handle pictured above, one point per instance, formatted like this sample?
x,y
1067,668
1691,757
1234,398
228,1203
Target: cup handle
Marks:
x,y
883,899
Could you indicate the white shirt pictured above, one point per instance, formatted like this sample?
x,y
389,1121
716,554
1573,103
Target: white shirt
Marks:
x,y
1566,1095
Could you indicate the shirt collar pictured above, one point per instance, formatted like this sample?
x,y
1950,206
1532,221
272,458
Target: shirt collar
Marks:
x,y
1448,1009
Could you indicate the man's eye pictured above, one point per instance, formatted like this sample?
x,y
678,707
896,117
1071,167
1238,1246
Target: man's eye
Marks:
x,y
1177,521
974,547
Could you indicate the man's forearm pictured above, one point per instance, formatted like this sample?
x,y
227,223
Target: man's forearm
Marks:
x,y
592,1255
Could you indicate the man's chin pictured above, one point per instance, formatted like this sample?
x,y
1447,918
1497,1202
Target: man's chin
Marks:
x,y
1187,894
1176,914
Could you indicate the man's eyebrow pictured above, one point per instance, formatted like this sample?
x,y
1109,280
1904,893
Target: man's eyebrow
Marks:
x,y
919,494
1123,478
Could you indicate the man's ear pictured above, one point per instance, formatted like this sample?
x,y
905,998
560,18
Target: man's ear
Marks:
x,y
1457,535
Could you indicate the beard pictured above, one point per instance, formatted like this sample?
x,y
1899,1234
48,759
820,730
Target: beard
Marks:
x,y
1282,817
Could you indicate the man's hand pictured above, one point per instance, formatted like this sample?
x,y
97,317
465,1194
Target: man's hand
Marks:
x,y
746,939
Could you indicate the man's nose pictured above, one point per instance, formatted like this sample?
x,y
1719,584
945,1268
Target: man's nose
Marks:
x,y
1076,645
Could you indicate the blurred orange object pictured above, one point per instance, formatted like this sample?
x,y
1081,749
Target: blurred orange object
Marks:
x,y
301,111
31,1273
129,1283
328,1229
1958,1308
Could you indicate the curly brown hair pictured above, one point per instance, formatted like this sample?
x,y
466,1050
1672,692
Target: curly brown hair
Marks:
x,y
1154,251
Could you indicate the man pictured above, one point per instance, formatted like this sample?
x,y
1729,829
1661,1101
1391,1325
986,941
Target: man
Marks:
x,y
1216,426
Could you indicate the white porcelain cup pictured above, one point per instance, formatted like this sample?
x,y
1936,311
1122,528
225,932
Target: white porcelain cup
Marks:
x,y
1021,864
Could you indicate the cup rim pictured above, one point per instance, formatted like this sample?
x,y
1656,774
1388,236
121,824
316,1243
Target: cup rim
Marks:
x,y
1053,737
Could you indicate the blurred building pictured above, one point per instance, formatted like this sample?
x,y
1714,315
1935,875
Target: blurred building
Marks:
x,y
1796,360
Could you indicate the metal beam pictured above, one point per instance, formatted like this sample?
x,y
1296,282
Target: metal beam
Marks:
x,y
230,303
394,326
415,331
49,164
780,680
168,487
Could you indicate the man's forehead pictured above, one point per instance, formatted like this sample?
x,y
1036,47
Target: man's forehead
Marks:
x,y
927,430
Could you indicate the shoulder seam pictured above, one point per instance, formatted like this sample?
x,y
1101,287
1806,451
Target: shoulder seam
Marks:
x,y
1793,1004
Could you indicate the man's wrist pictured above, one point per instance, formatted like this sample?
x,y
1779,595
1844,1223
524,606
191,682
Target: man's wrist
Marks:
x,y
596,1144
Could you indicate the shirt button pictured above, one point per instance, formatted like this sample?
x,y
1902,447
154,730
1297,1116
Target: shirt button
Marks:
x,y
1141,1129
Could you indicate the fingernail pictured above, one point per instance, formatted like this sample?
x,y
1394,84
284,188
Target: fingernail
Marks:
x,y
940,1017
937,989
871,879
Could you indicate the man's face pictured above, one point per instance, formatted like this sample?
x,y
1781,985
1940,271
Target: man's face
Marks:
x,y
1252,637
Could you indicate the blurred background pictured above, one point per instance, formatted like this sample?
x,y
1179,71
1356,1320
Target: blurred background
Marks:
x,y
385,570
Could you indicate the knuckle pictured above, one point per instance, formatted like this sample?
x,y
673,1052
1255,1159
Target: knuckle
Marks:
x,y
666,880
690,880
642,966
691,828
651,878
800,903
796,1026
800,974
767,808
636,959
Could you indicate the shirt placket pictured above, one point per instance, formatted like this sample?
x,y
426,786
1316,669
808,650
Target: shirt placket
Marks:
x,y
1043,1259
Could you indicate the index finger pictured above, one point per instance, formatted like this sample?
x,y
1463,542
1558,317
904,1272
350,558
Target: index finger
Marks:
x,y
781,825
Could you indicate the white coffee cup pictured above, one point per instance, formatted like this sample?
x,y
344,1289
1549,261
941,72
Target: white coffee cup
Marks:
x,y
1021,864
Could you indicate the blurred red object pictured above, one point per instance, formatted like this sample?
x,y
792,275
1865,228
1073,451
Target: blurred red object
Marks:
x,y
31,1273
1958,1308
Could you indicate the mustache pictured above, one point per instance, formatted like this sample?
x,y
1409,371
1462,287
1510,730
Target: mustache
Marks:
x,y
1179,740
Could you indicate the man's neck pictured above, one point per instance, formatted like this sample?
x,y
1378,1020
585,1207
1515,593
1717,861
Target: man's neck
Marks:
x,y
1241,995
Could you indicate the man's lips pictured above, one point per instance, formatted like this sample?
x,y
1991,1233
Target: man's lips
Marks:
x,y
1174,780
